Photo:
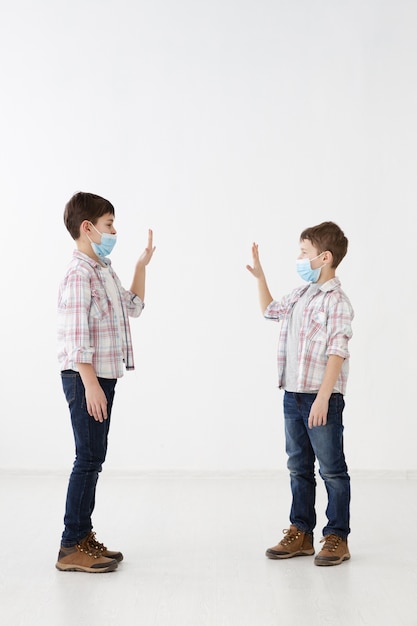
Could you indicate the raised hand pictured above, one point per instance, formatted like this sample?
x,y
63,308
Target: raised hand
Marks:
x,y
146,255
256,270
265,297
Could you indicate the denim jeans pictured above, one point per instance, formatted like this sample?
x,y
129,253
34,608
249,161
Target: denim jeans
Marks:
x,y
90,449
304,446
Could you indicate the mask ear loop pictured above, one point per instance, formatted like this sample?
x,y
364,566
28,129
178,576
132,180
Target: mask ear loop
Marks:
x,y
316,257
324,252
97,231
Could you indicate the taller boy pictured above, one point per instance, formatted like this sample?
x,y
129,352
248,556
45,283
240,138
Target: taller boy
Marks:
x,y
313,369
94,347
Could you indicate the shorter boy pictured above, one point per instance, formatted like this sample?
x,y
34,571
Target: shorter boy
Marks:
x,y
94,348
313,370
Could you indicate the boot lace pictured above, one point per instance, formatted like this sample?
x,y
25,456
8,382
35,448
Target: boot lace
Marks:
x,y
89,547
95,545
289,536
331,542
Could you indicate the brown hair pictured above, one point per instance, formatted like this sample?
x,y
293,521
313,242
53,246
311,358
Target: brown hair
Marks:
x,y
327,236
84,206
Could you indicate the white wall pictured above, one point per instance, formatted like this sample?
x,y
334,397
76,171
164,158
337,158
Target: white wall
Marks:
x,y
215,123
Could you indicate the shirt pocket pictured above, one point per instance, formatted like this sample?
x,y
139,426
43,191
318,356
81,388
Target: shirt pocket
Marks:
x,y
317,331
99,304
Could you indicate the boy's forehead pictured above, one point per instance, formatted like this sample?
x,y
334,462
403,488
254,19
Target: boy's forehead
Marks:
x,y
305,244
306,247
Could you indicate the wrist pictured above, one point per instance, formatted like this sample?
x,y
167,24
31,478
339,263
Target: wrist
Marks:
x,y
324,395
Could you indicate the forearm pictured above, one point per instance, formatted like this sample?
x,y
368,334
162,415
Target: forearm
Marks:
x,y
138,283
331,374
319,408
88,375
95,397
265,297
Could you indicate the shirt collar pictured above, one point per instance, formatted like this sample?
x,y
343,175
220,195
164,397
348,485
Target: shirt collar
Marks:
x,y
84,257
331,285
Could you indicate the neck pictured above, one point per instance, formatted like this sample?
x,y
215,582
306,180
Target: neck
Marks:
x,y
326,274
85,247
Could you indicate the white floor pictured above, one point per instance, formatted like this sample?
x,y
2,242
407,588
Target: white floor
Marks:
x,y
194,555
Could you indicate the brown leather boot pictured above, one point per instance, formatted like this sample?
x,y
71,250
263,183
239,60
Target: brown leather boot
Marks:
x,y
294,543
84,558
110,554
334,551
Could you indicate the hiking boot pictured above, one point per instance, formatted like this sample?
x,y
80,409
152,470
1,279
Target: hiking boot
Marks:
x,y
294,543
334,551
110,554
83,557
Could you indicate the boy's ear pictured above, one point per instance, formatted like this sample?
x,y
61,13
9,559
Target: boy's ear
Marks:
x,y
85,227
328,257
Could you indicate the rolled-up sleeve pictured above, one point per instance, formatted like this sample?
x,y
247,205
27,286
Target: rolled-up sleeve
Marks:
x,y
75,343
134,305
277,309
272,311
339,329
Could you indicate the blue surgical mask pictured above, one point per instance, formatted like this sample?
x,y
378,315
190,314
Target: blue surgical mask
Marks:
x,y
305,270
106,245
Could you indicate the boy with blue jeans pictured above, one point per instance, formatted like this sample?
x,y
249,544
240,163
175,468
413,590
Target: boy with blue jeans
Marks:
x,y
313,370
94,348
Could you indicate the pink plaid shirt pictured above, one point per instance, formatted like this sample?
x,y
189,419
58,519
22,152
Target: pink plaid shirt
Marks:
x,y
87,327
325,330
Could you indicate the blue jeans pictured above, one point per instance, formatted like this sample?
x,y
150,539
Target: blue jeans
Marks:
x,y
90,449
304,446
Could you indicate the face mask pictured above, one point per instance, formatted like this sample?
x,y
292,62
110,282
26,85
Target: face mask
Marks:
x,y
106,245
305,270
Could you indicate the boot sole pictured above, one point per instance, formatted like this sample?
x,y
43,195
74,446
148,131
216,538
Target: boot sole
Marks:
x,y
62,567
326,563
118,558
272,555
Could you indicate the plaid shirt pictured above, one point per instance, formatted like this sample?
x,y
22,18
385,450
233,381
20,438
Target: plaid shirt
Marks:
x,y
325,330
88,331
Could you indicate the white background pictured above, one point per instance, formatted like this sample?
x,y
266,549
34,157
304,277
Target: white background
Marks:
x,y
216,123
